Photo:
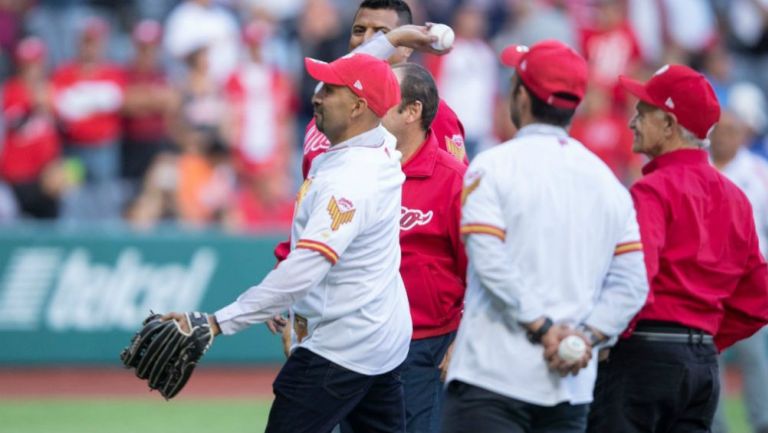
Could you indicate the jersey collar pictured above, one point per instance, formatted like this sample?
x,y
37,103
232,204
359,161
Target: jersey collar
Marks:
x,y
422,164
371,138
541,129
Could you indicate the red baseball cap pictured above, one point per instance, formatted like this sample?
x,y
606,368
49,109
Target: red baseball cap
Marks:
x,y
549,68
366,76
681,91
147,32
30,49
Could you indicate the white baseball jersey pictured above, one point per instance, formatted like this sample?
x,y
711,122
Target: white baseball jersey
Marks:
x,y
750,173
550,232
349,303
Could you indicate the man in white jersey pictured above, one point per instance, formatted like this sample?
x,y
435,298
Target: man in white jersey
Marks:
x,y
554,250
350,309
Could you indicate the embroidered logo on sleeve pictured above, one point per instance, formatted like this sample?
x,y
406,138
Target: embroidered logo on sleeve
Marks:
x,y
471,182
341,212
303,191
455,146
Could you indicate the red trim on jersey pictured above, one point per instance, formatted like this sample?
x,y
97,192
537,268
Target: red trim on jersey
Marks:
x,y
486,229
320,247
627,247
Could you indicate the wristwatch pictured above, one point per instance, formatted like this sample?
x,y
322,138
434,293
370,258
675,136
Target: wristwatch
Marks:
x,y
535,336
594,340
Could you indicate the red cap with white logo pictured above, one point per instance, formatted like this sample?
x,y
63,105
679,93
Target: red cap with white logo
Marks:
x,y
681,91
551,70
366,76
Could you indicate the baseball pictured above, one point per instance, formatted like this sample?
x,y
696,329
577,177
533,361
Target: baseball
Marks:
x,y
444,36
571,348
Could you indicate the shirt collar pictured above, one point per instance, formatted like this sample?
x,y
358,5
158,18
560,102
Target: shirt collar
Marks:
x,y
541,129
422,164
677,157
371,138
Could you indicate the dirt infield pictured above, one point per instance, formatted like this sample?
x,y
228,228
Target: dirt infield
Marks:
x,y
207,382
217,382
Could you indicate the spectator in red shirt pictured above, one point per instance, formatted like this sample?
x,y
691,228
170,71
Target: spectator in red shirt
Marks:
x,y
709,284
603,130
31,149
88,95
260,130
149,100
610,46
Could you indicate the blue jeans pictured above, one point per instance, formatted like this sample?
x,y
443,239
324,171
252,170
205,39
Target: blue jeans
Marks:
x,y
312,395
421,381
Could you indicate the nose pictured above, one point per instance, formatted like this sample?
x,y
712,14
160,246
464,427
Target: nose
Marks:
x,y
633,122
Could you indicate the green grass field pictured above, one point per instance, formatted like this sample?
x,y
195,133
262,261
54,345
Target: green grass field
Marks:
x,y
190,416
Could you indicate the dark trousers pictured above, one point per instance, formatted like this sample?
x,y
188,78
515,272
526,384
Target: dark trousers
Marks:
x,y
470,409
649,386
312,394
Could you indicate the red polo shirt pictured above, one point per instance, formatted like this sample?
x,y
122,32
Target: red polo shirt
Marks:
x,y
701,250
434,263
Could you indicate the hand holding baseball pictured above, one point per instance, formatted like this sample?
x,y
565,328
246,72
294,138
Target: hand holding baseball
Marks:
x,y
563,352
421,38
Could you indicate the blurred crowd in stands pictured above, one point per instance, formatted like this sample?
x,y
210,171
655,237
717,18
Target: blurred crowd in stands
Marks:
x,y
193,111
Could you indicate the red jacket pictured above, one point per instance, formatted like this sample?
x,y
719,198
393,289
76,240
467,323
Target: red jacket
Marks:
x,y
701,250
89,102
31,139
434,263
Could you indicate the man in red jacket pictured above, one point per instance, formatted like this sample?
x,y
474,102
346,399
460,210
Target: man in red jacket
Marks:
x,y
708,280
434,263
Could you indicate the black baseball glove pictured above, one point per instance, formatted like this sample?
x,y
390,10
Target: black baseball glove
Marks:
x,y
164,355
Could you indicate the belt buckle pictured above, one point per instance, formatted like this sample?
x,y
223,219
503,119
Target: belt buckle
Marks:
x,y
692,334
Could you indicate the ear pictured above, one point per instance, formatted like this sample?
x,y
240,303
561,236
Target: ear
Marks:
x,y
670,124
414,111
359,107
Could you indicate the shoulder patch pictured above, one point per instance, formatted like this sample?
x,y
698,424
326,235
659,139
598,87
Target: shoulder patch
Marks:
x,y
471,182
303,191
455,146
341,211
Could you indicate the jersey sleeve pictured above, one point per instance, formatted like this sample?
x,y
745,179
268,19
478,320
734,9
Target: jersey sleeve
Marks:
x,y
337,216
481,211
625,287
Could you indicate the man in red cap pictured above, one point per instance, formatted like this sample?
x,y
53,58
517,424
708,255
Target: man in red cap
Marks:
x,y
349,306
554,253
709,284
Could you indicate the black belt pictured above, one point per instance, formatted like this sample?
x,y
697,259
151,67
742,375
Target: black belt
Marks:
x,y
667,332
